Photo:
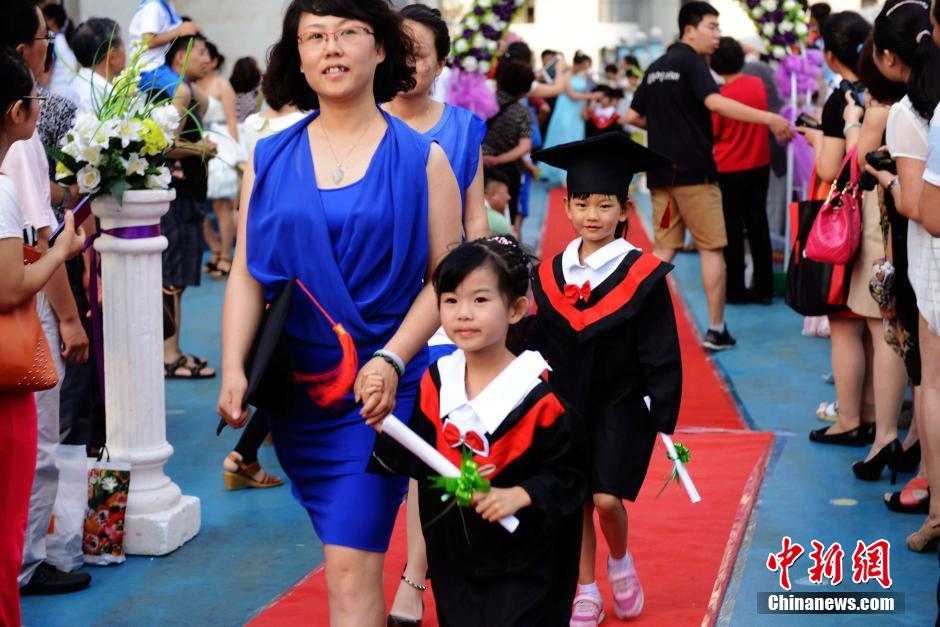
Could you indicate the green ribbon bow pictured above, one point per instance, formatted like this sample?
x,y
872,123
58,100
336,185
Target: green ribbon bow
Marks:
x,y
684,455
463,487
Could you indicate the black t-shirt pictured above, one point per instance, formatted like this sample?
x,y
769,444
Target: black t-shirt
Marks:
x,y
672,98
832,120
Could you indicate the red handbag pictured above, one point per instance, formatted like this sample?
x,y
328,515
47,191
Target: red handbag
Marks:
x,y
837,230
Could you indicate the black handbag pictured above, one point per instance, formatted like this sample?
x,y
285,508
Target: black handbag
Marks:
x,y
814,288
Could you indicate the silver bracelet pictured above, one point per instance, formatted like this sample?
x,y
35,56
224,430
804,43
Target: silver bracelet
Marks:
x,y
850,126
894,183
393,359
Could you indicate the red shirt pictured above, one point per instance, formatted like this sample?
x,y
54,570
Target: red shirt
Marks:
x,y
742,145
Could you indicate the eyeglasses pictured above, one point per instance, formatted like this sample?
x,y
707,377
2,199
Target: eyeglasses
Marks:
x,y
346,37
49,37
40,99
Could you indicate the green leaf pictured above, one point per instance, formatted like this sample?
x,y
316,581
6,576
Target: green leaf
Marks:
x,y
118,187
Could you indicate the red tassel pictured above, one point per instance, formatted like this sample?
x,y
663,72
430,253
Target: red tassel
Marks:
x,y
667,215
328,388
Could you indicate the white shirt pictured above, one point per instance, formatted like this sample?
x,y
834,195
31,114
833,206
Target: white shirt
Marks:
x,y
12,221
27,167
490,407
598,266
932,171
62,80
151,18
90,89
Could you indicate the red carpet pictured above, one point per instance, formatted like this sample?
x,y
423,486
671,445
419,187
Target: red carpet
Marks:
x,y
684,553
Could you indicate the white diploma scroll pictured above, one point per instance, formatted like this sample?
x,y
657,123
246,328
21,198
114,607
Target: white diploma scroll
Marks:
x,y
398,431
680,469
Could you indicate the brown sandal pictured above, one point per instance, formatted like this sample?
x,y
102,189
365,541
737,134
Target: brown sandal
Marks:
x,y
244,476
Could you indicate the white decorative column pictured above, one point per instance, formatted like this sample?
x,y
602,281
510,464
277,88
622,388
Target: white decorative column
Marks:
x,y
159,518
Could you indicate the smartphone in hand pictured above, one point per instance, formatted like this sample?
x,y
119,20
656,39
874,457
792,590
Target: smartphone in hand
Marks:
x,y
807,121
882,160
81,211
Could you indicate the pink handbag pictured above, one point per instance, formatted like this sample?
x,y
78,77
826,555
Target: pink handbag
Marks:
x,y
837,230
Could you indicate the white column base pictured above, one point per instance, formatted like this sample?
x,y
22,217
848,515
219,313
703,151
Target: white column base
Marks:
x,y
162,532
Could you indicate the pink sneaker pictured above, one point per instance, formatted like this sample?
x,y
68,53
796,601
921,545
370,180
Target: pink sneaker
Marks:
x,y
587,611
628,595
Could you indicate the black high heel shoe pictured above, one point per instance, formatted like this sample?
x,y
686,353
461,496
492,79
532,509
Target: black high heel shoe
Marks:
x,y
859,436
399,621
887,456
909,459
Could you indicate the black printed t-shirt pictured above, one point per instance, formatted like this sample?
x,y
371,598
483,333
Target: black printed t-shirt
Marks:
x,y
672,98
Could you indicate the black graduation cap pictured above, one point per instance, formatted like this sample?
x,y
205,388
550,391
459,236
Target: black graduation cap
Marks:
x,y
603,164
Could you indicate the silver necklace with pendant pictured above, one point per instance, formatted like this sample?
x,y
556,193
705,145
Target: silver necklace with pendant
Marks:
x,y
338,172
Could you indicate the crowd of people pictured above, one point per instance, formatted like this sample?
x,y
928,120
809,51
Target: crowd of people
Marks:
x,y
337,176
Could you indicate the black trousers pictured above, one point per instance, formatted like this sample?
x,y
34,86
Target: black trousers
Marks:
x,y
252,437
744,201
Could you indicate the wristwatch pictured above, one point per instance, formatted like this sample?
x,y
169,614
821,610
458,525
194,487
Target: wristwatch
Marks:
x,y
894,183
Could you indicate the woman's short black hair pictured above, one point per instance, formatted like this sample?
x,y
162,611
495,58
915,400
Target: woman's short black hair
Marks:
x,y
16,81
880,88
432,20
393,75
246,75
518,52
843,34
623,199
19,24
728,59
502,253
214,54
93,39
515,78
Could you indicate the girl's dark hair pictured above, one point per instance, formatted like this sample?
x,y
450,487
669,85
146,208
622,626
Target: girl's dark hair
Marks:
x,y
393,75
432,20
580,57
246,75
728,59
904,28
57,12
820,12
515,78
518,52
16,81
19,24
502,253
621,198
880,88
844,33
214,54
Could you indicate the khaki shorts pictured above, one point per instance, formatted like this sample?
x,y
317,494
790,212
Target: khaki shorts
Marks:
x,y
696,207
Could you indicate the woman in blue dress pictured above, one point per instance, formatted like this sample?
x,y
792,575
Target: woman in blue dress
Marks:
x,y
460,134
359,208
566,124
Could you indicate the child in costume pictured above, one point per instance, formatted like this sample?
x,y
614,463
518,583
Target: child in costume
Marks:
x,y
485,401
606,326
601,115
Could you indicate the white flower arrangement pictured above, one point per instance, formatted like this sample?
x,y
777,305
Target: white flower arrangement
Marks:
x,y
782,24
479,32
122,144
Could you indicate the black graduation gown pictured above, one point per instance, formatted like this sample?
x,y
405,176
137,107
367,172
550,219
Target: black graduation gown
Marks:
x,y
480,573
606,355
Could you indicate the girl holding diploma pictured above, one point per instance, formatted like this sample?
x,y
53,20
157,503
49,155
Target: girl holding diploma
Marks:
x,y
606,325
484,400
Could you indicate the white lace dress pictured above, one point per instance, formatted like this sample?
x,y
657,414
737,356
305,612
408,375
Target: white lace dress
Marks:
x,y
223,176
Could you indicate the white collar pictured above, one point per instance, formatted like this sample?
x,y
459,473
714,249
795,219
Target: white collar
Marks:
x,y
88,74
500,397
617,248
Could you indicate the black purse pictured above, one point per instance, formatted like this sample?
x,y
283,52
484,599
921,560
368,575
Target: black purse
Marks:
x,y
267,368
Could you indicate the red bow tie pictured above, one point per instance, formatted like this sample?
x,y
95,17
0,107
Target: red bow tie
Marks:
x,y
573,292
476,442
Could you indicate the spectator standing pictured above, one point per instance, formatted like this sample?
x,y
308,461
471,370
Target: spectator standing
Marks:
x,y
18,285
246,81
99,50
64,64
24,29
157,24
673,104
742,155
